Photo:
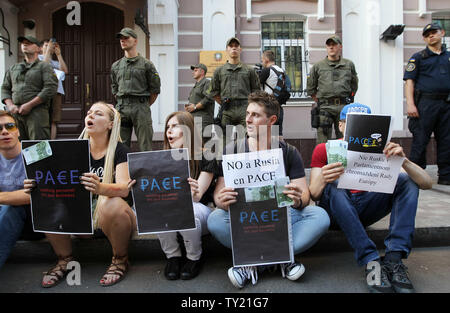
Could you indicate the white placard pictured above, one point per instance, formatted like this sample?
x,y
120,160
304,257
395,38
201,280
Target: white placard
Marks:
x,y
371,172
253,169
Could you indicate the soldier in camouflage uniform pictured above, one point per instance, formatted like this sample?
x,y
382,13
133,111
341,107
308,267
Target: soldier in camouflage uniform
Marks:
x,y
136,84
231,84
332,84
28,88
200,104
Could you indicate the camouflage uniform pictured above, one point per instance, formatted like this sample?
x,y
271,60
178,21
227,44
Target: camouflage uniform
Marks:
x,y
22,83
199,94
234,82
332,82
133,80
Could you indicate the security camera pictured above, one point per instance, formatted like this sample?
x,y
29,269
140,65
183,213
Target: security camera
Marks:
x,y
29,24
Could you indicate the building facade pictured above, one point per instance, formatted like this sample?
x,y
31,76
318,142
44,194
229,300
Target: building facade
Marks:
x,y
178,30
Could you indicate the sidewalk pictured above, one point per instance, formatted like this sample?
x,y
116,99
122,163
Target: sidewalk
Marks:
x,y
432,230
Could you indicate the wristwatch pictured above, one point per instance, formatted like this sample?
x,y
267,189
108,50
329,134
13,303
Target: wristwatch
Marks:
x,y
195,107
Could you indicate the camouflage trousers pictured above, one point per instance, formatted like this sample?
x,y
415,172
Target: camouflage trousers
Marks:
x,y
329,117
36,124
137,115
235,115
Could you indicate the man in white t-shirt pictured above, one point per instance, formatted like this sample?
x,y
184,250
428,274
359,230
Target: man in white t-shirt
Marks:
x,y
48,48
269,79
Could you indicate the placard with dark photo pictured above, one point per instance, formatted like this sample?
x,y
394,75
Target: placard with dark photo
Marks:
x,y
260,230
162,195
60,204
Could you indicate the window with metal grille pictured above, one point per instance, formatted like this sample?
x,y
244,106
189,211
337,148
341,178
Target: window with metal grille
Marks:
x,y
286,40
443,19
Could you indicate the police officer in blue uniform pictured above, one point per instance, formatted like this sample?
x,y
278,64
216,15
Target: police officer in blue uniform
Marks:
x,y
427,91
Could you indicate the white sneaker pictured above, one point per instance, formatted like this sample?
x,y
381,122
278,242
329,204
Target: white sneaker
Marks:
x,y
292,271
240,276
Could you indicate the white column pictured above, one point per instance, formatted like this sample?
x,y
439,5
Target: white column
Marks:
x,y
379,65
218,23
360,36
249,10
422,8
320,10
163,25
391,64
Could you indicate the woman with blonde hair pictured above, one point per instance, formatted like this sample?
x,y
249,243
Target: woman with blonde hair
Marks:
x,y
180,132
110,183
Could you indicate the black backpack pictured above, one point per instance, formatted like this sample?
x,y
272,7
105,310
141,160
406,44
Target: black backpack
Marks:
x,y
282,90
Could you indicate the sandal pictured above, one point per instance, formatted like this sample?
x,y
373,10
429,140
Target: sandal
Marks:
x,y
117,268
57,273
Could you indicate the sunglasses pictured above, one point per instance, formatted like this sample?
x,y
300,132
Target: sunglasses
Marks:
x,y
9,127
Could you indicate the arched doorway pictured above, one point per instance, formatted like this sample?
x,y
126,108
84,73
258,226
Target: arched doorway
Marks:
x,y
89,51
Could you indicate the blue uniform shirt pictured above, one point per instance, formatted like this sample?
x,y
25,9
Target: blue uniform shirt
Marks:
x,y
430,71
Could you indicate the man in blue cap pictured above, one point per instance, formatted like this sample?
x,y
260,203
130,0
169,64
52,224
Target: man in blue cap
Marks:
x,y
352,210
427,92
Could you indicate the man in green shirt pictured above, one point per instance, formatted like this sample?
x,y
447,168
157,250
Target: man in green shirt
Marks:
x,y
200,104
27,90
332,83
136,84
231,84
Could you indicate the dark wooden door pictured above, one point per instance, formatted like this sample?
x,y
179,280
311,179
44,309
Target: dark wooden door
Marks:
x,y
89,51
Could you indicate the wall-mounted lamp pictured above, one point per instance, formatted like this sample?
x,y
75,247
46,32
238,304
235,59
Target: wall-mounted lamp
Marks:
x,y
140,20
392,32
29,24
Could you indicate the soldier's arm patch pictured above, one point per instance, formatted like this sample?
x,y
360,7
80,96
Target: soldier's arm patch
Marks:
x,y
410,67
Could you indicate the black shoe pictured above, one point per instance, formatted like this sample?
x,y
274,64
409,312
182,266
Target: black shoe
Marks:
x,y
398,274
443,181
385,285
172,270
191,269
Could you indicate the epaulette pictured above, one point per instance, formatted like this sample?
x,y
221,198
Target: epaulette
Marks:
x,y
424,54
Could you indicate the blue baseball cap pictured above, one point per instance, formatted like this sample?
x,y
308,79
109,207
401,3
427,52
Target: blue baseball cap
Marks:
x,y
354,107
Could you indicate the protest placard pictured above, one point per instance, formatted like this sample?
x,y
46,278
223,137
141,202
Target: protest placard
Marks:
x,y
368,169
253,169
260,229
162,195
60,204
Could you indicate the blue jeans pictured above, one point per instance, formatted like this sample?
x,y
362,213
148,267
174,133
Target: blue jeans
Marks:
x,y
308,225
352,212
12,219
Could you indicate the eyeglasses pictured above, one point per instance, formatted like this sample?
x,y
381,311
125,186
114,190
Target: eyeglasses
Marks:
x,y
9,127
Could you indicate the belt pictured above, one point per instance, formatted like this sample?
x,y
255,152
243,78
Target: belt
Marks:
x,y
335,101
235,103
141,99
434,96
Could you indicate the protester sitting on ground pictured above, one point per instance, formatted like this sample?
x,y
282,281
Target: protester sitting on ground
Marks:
x,y
110,183
309,222
14,202
180,132
352,210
